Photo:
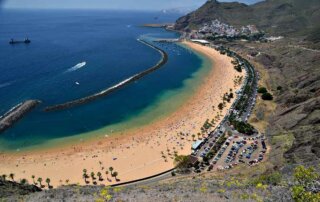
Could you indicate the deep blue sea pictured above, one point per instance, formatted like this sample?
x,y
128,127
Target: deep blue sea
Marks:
x,y
75,53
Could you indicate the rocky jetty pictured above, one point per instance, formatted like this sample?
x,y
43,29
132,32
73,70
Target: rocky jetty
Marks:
x,y
16,113
163,60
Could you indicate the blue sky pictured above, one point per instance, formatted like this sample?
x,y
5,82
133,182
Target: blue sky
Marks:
x,y
108,4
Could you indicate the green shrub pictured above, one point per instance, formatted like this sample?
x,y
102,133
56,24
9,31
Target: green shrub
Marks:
x,y
243,127
182,163
238,68
220,106
262,90
304,179
267,96
274,178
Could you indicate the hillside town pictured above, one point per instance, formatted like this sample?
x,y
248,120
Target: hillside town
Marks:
x,y
219,30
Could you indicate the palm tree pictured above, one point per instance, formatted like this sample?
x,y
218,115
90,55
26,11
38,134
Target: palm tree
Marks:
x,y
48,182
23,181
199,134
115,174
100,163
92,176
12,176
40,181
107,172
32,176
4,176
193,136
85,175
67,181
99,175
111,169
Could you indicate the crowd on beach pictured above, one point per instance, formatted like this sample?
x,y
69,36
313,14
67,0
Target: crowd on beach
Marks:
x,y
141,152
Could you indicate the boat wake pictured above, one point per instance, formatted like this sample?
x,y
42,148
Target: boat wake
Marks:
x,y
76,67
2,85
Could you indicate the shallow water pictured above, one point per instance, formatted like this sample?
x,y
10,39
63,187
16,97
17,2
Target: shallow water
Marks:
x,y
74,54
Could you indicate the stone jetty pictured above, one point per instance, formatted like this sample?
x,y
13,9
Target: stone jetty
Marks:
x,y
16,113
84,100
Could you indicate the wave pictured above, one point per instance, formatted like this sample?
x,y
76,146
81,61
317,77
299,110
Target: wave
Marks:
x,y
77,66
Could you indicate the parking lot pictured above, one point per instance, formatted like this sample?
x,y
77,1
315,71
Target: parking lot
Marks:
x,y
239,150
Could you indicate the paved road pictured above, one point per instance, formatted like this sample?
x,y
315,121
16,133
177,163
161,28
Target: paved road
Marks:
x,y
149,181
224,127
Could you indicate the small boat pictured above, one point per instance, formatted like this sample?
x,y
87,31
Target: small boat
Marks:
x,y
25,41
77,83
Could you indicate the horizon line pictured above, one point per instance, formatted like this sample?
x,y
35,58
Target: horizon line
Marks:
x,y
100,9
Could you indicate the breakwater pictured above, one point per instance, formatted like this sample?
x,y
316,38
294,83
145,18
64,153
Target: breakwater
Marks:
x,y
84,100
16,113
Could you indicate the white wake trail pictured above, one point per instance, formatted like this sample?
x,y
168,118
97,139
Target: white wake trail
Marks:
x,y
77,66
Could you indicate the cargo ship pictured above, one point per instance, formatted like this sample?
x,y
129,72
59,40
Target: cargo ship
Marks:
x,y
26,41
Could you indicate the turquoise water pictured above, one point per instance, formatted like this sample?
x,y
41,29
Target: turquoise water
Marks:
x,y
74,54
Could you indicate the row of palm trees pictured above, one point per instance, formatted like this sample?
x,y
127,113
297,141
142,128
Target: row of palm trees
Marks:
x,y
24,181
85,175
39,180
4,176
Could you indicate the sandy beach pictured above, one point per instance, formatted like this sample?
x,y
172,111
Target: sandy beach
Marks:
x,y
140,152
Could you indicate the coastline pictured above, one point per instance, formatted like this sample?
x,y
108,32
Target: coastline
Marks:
x,y
166,104
141,156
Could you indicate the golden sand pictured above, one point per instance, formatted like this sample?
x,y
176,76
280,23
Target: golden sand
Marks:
x,y
140,152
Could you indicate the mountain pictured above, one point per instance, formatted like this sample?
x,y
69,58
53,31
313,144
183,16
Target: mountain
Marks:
x,y
179,10
292,65
282,17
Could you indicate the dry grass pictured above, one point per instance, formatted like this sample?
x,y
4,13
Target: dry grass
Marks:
x,y
263,109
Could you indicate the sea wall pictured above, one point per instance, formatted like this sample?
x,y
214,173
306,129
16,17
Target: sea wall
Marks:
x,y
84,100
16,113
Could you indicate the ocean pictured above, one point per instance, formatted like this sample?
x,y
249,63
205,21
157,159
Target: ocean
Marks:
x,y
76,53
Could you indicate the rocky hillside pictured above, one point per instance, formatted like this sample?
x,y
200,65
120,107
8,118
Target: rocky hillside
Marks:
x,y
283,17
13,189
291,63
294,76
255,184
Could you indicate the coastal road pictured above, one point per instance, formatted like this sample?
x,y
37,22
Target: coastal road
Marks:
x,y
215,134
145,182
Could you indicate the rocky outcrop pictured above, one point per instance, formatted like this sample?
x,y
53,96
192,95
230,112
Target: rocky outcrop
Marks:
x,y
10,189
